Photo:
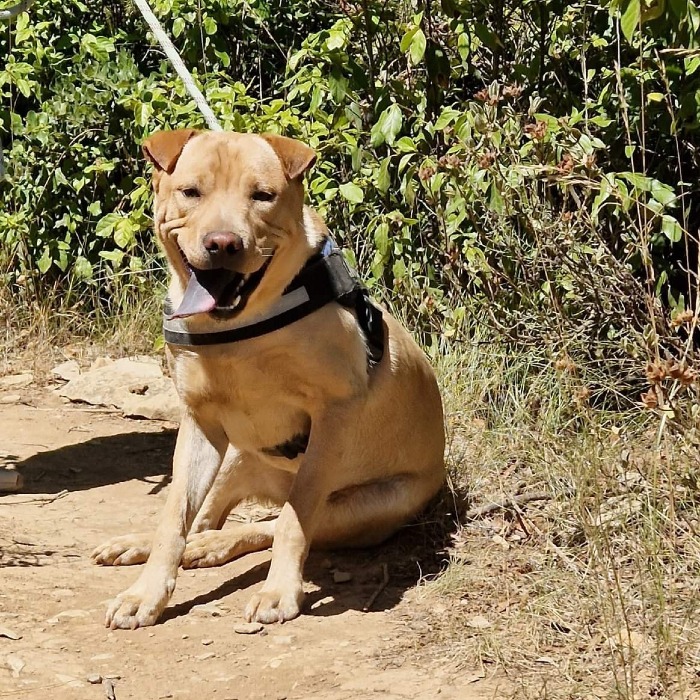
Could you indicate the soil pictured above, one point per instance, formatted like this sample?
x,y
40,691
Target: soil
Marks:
x,y
91,474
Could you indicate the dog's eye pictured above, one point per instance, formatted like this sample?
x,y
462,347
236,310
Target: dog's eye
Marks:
x,y
191,192
263,196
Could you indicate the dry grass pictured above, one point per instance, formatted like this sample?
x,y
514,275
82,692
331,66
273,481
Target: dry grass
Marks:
x,y
36,332
592,593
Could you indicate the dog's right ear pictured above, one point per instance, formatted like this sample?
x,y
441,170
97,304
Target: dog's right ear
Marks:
x,y
164,147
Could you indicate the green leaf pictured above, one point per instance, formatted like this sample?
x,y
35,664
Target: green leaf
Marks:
x,y
82,268
641,182
210,25
381,238
671,228
352,192
387,127
496,200
178,26
407,39
630,19
417,50
384,177
662,193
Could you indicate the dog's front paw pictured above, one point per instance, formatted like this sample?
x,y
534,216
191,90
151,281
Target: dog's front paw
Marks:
x,y
123,551
275,604
138,606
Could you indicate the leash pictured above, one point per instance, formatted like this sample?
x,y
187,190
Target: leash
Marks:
x,y
178,65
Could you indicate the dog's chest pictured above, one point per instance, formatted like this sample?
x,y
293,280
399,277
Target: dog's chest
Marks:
x,y
259,405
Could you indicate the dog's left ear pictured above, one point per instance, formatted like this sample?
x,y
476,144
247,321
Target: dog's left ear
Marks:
x,y
164,147
296,157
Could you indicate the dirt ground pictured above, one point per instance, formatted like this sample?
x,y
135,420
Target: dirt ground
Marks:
x,y
91,474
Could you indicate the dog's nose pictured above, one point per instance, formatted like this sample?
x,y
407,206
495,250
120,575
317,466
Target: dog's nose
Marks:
x,y
222,245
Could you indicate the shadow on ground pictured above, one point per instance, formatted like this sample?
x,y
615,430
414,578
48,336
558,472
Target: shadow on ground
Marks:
x,y
101,461
416,552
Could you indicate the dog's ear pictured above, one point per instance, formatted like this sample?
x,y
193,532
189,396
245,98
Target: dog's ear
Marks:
x,y
296,157
164,147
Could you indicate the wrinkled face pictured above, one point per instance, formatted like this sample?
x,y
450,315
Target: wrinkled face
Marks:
x,y
226,204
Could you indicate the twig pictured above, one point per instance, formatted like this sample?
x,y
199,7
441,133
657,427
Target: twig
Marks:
x,y
382,585
40,501
508,503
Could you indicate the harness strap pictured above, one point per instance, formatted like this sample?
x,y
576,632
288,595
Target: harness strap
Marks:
x,y
326,277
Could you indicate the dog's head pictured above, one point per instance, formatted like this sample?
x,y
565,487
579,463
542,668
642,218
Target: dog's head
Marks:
x,y
228,209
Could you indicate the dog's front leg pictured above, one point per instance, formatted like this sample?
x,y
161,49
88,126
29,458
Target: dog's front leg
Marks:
x,y
198,455
282,594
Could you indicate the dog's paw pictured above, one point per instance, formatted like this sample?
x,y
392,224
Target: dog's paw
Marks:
x,y
275,605
208,548
123,551
138,606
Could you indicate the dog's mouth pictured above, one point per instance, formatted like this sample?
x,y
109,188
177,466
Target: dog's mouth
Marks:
x,y
221,292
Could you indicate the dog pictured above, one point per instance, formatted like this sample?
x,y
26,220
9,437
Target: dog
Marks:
x,y
296,388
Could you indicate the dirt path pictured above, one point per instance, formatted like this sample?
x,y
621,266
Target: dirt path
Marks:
x,y
90,475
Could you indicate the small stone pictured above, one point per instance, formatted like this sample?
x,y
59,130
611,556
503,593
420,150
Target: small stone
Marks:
x,y
479,622
207,642
247,628
94,678
204,657
185,636
10,398
341,576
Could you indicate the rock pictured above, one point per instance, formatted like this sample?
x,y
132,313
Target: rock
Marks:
x,y
247,628
94,678
16,381
10,634
109,689
15,664
66,370
8,399
68,613
326,564
479,622
207,642
208,610
341,576
136,386
204,657
100,362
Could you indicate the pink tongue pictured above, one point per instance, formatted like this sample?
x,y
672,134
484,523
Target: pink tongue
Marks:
x,y
203,292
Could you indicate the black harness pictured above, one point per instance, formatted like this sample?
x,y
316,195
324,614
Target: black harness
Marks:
x,y
326,277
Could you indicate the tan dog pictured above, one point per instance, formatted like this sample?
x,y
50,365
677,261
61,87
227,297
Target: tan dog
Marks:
x,y
230,216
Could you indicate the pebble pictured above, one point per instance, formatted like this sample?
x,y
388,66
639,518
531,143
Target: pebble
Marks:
x,y
341,576
94,678
247,628
204,657
207,642
10,398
